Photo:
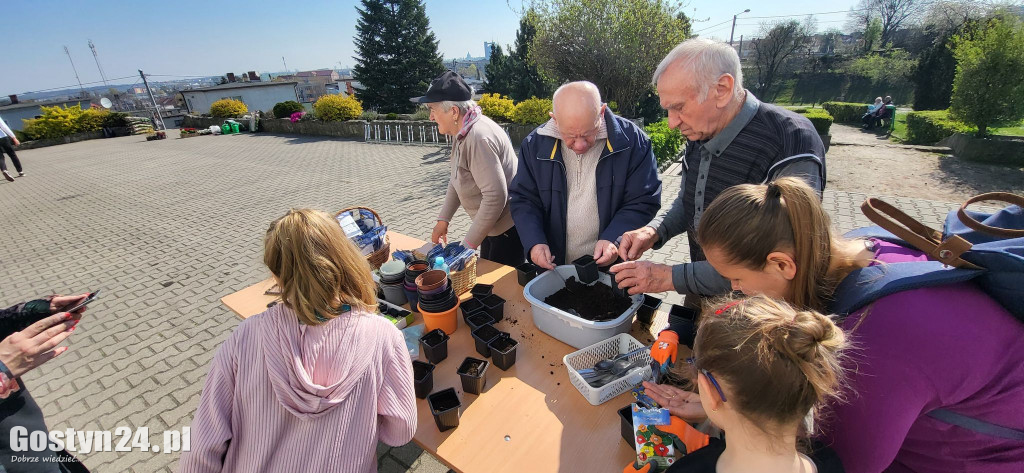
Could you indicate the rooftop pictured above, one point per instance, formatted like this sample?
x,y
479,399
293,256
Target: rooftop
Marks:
x,y
44,103
240,85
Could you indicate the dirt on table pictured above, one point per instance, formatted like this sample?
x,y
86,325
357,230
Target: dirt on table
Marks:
x,y
596,303
866,162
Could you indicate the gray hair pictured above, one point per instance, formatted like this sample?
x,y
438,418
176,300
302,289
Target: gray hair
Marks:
x,y
462,105
708,60
581,86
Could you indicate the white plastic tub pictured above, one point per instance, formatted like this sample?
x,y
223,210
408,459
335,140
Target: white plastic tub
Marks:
x,y
569,328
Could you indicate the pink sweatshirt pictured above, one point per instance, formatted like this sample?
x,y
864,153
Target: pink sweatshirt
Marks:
x,y
282,396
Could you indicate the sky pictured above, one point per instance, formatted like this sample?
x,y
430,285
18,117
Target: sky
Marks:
x,y
192,38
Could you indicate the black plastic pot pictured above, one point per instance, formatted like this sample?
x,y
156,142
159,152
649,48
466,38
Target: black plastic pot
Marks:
x,y
619,292
586,269
471,307
526,272
473,383
434,345
422,378
495,306
482,290
645,314
482,336
478,320
438,305
444,405
685,319
503,351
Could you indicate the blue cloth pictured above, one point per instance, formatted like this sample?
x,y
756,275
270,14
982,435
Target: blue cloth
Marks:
x,y
628,187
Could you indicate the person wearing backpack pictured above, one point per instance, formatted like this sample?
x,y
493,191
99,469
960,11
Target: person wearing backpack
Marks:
x,y
936,378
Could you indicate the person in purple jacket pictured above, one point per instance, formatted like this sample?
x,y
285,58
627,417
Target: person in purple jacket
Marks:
x,y
949,347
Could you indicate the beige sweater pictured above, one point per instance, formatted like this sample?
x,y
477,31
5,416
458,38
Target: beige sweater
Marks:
x,y
581,177
482,166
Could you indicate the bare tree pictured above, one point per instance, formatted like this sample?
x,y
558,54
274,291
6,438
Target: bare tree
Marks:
x,y
774,52
893,14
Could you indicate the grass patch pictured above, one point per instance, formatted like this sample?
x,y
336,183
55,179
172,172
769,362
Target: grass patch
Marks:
x,y
899,134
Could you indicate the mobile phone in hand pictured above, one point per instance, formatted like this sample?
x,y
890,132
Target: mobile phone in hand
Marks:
x,y
87,301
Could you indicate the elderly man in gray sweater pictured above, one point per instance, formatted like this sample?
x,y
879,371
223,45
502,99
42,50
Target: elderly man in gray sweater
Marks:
x,y
732,138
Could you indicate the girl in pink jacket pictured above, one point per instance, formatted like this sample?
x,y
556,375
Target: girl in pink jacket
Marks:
x,y
314,382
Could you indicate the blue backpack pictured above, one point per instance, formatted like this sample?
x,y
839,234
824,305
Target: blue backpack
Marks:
x,y
973,246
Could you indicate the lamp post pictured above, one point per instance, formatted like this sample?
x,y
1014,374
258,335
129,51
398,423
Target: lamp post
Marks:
x,y
734,24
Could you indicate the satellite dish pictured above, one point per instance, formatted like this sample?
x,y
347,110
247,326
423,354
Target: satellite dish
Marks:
x,y
105,102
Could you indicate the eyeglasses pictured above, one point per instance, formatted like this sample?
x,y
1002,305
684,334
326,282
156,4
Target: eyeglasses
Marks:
x,y
707,374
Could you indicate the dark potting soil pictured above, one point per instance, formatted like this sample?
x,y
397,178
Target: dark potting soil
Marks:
x,y
443,403
433,339
503,344
472,368
596,303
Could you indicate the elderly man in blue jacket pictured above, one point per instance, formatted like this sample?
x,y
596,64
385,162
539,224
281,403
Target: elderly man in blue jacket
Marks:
x,y
585,177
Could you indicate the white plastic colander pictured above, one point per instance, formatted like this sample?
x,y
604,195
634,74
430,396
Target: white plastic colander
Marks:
x,y
586,358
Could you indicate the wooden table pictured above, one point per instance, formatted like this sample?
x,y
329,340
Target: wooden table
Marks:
x,y
529,418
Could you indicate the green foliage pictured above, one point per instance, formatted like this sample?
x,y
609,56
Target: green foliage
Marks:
x,y
872,35
532,111
613,43
665,141
516,74
649,108
391,116
396,53
421,114
287,108
56,122
893,67
933,77
932,126
987,88
821,119
115,120
228,108
331,108
496,107
370,116
845,112
775,53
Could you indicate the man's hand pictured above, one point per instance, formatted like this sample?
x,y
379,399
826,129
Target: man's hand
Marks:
x,y
605,252
440,232
15,140
23,351
636,242
643,277
680,403
541,256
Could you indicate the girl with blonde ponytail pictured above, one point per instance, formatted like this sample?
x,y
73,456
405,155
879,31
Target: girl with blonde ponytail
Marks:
x,y
761,366
926,358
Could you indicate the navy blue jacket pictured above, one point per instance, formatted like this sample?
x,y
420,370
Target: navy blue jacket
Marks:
x,y
628,187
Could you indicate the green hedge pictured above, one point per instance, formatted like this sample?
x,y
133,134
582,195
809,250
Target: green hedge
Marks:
x,y
932,126
821,119
665,141
287,108
845,112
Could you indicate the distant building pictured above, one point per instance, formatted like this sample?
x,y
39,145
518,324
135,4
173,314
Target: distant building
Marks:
x,y
14,113
311,84
255,95
488,46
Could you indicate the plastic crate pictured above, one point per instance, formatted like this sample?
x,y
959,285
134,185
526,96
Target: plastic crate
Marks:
x,y
568,328
586,358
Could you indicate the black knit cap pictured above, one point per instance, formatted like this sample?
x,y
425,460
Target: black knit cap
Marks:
x,y
448,86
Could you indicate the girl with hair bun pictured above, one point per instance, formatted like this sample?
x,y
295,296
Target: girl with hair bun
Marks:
x,y
925,357
761,366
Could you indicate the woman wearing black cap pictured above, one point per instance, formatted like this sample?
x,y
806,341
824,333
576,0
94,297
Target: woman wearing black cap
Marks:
x,y
482,166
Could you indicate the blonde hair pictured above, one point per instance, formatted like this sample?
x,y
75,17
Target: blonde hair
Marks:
x,y
748,222
320,271
778,362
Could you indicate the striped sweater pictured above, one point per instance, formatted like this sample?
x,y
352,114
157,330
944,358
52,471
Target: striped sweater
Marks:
x,y
282,396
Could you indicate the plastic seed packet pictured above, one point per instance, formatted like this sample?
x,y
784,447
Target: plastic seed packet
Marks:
x,y
653,445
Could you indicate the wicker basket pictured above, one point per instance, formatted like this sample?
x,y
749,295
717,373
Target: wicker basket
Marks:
x,y
462,281
383,254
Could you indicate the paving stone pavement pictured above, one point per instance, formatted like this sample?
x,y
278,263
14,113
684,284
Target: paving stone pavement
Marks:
x,y
166,228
